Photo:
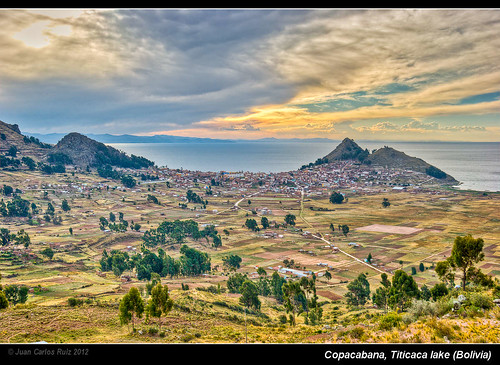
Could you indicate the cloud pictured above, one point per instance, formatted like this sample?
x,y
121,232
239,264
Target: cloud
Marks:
x,y
417,126
275,72
243,127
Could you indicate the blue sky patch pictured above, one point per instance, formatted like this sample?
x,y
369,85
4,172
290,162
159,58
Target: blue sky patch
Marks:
x,y
481,98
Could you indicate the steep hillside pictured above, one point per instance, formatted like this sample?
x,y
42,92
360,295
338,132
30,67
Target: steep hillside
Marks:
x,y
10,136
77,149
389,157
385,157
347,150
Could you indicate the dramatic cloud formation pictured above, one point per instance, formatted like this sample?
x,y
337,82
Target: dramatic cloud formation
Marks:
x,y
407,74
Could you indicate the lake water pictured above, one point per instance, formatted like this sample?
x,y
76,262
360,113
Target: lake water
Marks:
x,y
475,165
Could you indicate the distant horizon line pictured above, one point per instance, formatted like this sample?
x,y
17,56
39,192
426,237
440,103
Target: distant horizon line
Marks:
x,y
249,139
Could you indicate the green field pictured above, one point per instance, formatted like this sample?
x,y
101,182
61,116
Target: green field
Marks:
x,y
436,218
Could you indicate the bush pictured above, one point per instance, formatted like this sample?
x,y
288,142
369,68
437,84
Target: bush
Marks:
x,y
482,301
357,332
421,308
389,321
443,306
73,302
283,319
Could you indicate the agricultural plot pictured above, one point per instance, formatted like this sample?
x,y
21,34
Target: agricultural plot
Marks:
x,y
416,228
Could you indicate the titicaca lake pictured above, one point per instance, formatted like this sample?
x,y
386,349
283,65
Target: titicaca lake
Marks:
x,y
475,165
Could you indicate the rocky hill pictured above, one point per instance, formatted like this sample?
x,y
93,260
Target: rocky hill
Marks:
x,y
11,139
79,150
347,150
385,157
73,149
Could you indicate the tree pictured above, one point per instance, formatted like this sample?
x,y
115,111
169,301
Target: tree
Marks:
x,y
369,258
22,238
12,151
18,207
251,224
65,206
264,222
28,161
160,303
231,262
359,291
103,223
217,241
328,276
290,219
379,298
445,271
194,262
336,198
50,209
131,306
4,303
128,181
345,229
16,294
7,190
249,295
466,252
295,300
403,289
439,290
48,252
435,172
425,292
421,267
261,271
235,281
277,283
314,312
5,236
386,203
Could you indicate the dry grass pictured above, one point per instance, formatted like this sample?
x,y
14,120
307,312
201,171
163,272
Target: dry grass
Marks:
x,y
434,220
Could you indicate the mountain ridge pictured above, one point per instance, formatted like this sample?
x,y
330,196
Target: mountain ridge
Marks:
x,y
86,152
72,149
384,157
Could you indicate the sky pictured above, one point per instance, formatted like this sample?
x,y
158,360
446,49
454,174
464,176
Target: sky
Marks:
x,y
373,74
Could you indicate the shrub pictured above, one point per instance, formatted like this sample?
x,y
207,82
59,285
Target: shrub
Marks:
x,y
482,301
442,329
73,302
357,332
443,306
421,308
408,318
186,338
439,290
390,320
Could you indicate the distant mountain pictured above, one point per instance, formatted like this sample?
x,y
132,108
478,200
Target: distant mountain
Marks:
x,y
129,138
162,138
384,157
75,148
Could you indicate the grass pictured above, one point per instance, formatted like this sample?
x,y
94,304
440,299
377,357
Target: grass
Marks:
x,y
73,272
